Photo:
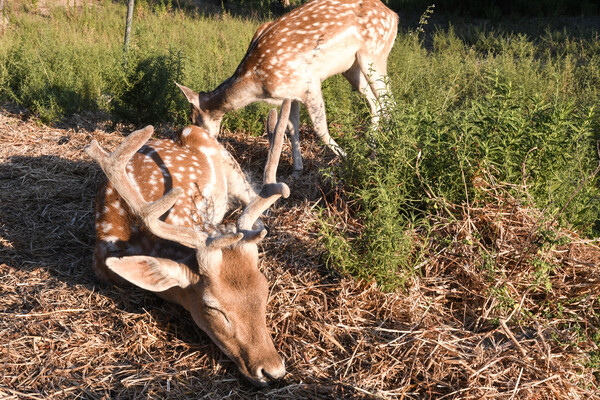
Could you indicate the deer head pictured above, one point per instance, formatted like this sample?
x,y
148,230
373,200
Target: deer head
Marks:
x,y
217,280
200,113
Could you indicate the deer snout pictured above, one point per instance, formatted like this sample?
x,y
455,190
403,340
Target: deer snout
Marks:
x,y
269,371
276,371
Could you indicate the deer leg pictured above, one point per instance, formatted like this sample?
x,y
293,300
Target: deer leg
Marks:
x,y
294,135
359,82
316,111
376,75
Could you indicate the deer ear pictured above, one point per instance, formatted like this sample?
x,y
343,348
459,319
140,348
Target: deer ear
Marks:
x,y
190,95
150,273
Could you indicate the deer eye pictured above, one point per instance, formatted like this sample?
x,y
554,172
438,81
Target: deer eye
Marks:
x,y
216,312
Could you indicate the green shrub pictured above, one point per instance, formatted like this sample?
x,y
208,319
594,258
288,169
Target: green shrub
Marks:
x,y
461,114
150,95
72,60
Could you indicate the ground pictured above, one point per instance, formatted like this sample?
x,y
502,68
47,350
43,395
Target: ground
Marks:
x,y
63,334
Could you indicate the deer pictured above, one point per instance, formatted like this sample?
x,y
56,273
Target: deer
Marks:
x,y
159,227
290,58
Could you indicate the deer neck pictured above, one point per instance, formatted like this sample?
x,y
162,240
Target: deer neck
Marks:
x,y
232,94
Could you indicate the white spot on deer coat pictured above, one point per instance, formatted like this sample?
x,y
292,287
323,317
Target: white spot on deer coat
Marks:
x,y
106,227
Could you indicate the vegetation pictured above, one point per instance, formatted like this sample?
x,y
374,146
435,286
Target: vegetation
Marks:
x,y
495,9
488,109
479,192
72,60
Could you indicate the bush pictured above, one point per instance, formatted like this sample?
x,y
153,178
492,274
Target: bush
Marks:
x,y
51,82
150,94
72,60
508,118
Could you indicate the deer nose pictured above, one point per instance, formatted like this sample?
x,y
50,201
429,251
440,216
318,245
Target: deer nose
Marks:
x,y
273,372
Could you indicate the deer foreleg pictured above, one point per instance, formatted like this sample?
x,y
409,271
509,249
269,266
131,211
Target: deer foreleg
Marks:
x,y
316,110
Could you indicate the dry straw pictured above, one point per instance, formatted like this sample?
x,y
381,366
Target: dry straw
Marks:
x,y
63,335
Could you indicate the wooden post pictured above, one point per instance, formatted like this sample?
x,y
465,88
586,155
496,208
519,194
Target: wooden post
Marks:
x,y
2,18
127,24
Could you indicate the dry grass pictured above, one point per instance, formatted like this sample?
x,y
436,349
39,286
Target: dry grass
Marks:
x,y
65,335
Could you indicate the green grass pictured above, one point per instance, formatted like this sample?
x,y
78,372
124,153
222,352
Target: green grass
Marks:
x,y
471,101
73,60
497,9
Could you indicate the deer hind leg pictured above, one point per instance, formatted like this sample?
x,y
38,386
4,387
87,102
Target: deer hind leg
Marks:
x,y
359,82
294,135
316,111
375,72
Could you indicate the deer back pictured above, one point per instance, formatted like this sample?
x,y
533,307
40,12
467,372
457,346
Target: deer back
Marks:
x,y
314,41
193,162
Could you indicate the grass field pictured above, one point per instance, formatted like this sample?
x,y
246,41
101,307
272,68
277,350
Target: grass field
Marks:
x,y
456,258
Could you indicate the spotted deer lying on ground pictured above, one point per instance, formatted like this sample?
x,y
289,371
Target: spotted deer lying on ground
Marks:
x,y
157,221
291,56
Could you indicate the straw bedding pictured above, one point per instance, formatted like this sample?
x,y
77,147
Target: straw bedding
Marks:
x,y
64,335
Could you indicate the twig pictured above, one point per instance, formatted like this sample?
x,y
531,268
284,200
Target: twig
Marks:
x,y
512,337
517,384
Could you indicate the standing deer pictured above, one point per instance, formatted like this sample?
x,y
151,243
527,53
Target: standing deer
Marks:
x,y
156,227
291,56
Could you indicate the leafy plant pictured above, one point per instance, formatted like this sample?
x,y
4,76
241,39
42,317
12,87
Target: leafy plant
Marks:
x,y
150,95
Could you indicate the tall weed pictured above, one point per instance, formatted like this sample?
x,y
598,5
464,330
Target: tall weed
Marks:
x,y
72,59
149,94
